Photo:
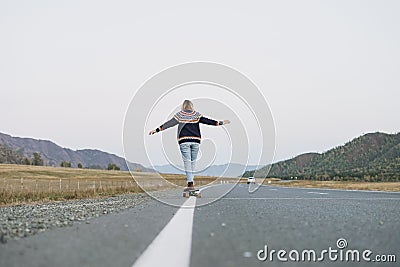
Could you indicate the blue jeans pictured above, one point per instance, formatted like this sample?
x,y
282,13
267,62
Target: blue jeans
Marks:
x,y
189,151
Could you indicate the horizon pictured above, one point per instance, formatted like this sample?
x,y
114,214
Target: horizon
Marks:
x,y
250,164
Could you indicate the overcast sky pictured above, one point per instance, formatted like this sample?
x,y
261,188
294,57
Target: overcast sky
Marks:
x,y
328,69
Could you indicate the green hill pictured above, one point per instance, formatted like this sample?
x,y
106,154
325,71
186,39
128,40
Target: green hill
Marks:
x,y
371,157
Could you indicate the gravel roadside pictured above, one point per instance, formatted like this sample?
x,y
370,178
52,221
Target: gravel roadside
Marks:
x,y
25,220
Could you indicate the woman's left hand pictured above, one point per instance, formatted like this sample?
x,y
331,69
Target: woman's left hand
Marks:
x,y
226,122
152,132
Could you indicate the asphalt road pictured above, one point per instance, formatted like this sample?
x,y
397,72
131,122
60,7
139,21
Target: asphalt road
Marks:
x,y
228,232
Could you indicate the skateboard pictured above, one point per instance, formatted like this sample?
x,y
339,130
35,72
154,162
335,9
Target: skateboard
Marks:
x,y
191,193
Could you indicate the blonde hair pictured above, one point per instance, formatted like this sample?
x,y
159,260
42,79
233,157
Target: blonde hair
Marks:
x,y
188,105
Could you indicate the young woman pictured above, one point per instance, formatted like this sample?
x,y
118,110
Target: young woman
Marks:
x,y
189,135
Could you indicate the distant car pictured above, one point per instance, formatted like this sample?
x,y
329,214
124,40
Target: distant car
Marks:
x,y
251,180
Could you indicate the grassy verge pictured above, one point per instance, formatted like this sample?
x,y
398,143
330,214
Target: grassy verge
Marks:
x,y
375,186
21,184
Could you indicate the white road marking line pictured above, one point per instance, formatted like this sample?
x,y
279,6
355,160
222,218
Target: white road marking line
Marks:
x,y
318,193
172,246
273,189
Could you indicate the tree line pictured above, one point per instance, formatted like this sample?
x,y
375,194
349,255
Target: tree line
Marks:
x,y
37,160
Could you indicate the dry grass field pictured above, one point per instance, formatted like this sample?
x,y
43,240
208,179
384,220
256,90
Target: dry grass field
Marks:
x,y
24,184
377,186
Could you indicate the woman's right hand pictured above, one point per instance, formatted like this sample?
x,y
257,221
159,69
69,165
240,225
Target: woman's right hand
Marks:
x,y
152,132
226,121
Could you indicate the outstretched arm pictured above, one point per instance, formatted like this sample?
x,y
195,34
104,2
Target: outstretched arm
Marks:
x,y
172,122
208,121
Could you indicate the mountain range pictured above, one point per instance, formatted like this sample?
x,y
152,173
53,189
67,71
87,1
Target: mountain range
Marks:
x,y
16,150
370,157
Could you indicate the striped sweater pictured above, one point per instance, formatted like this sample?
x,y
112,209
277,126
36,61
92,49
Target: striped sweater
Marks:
x,y
188,125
